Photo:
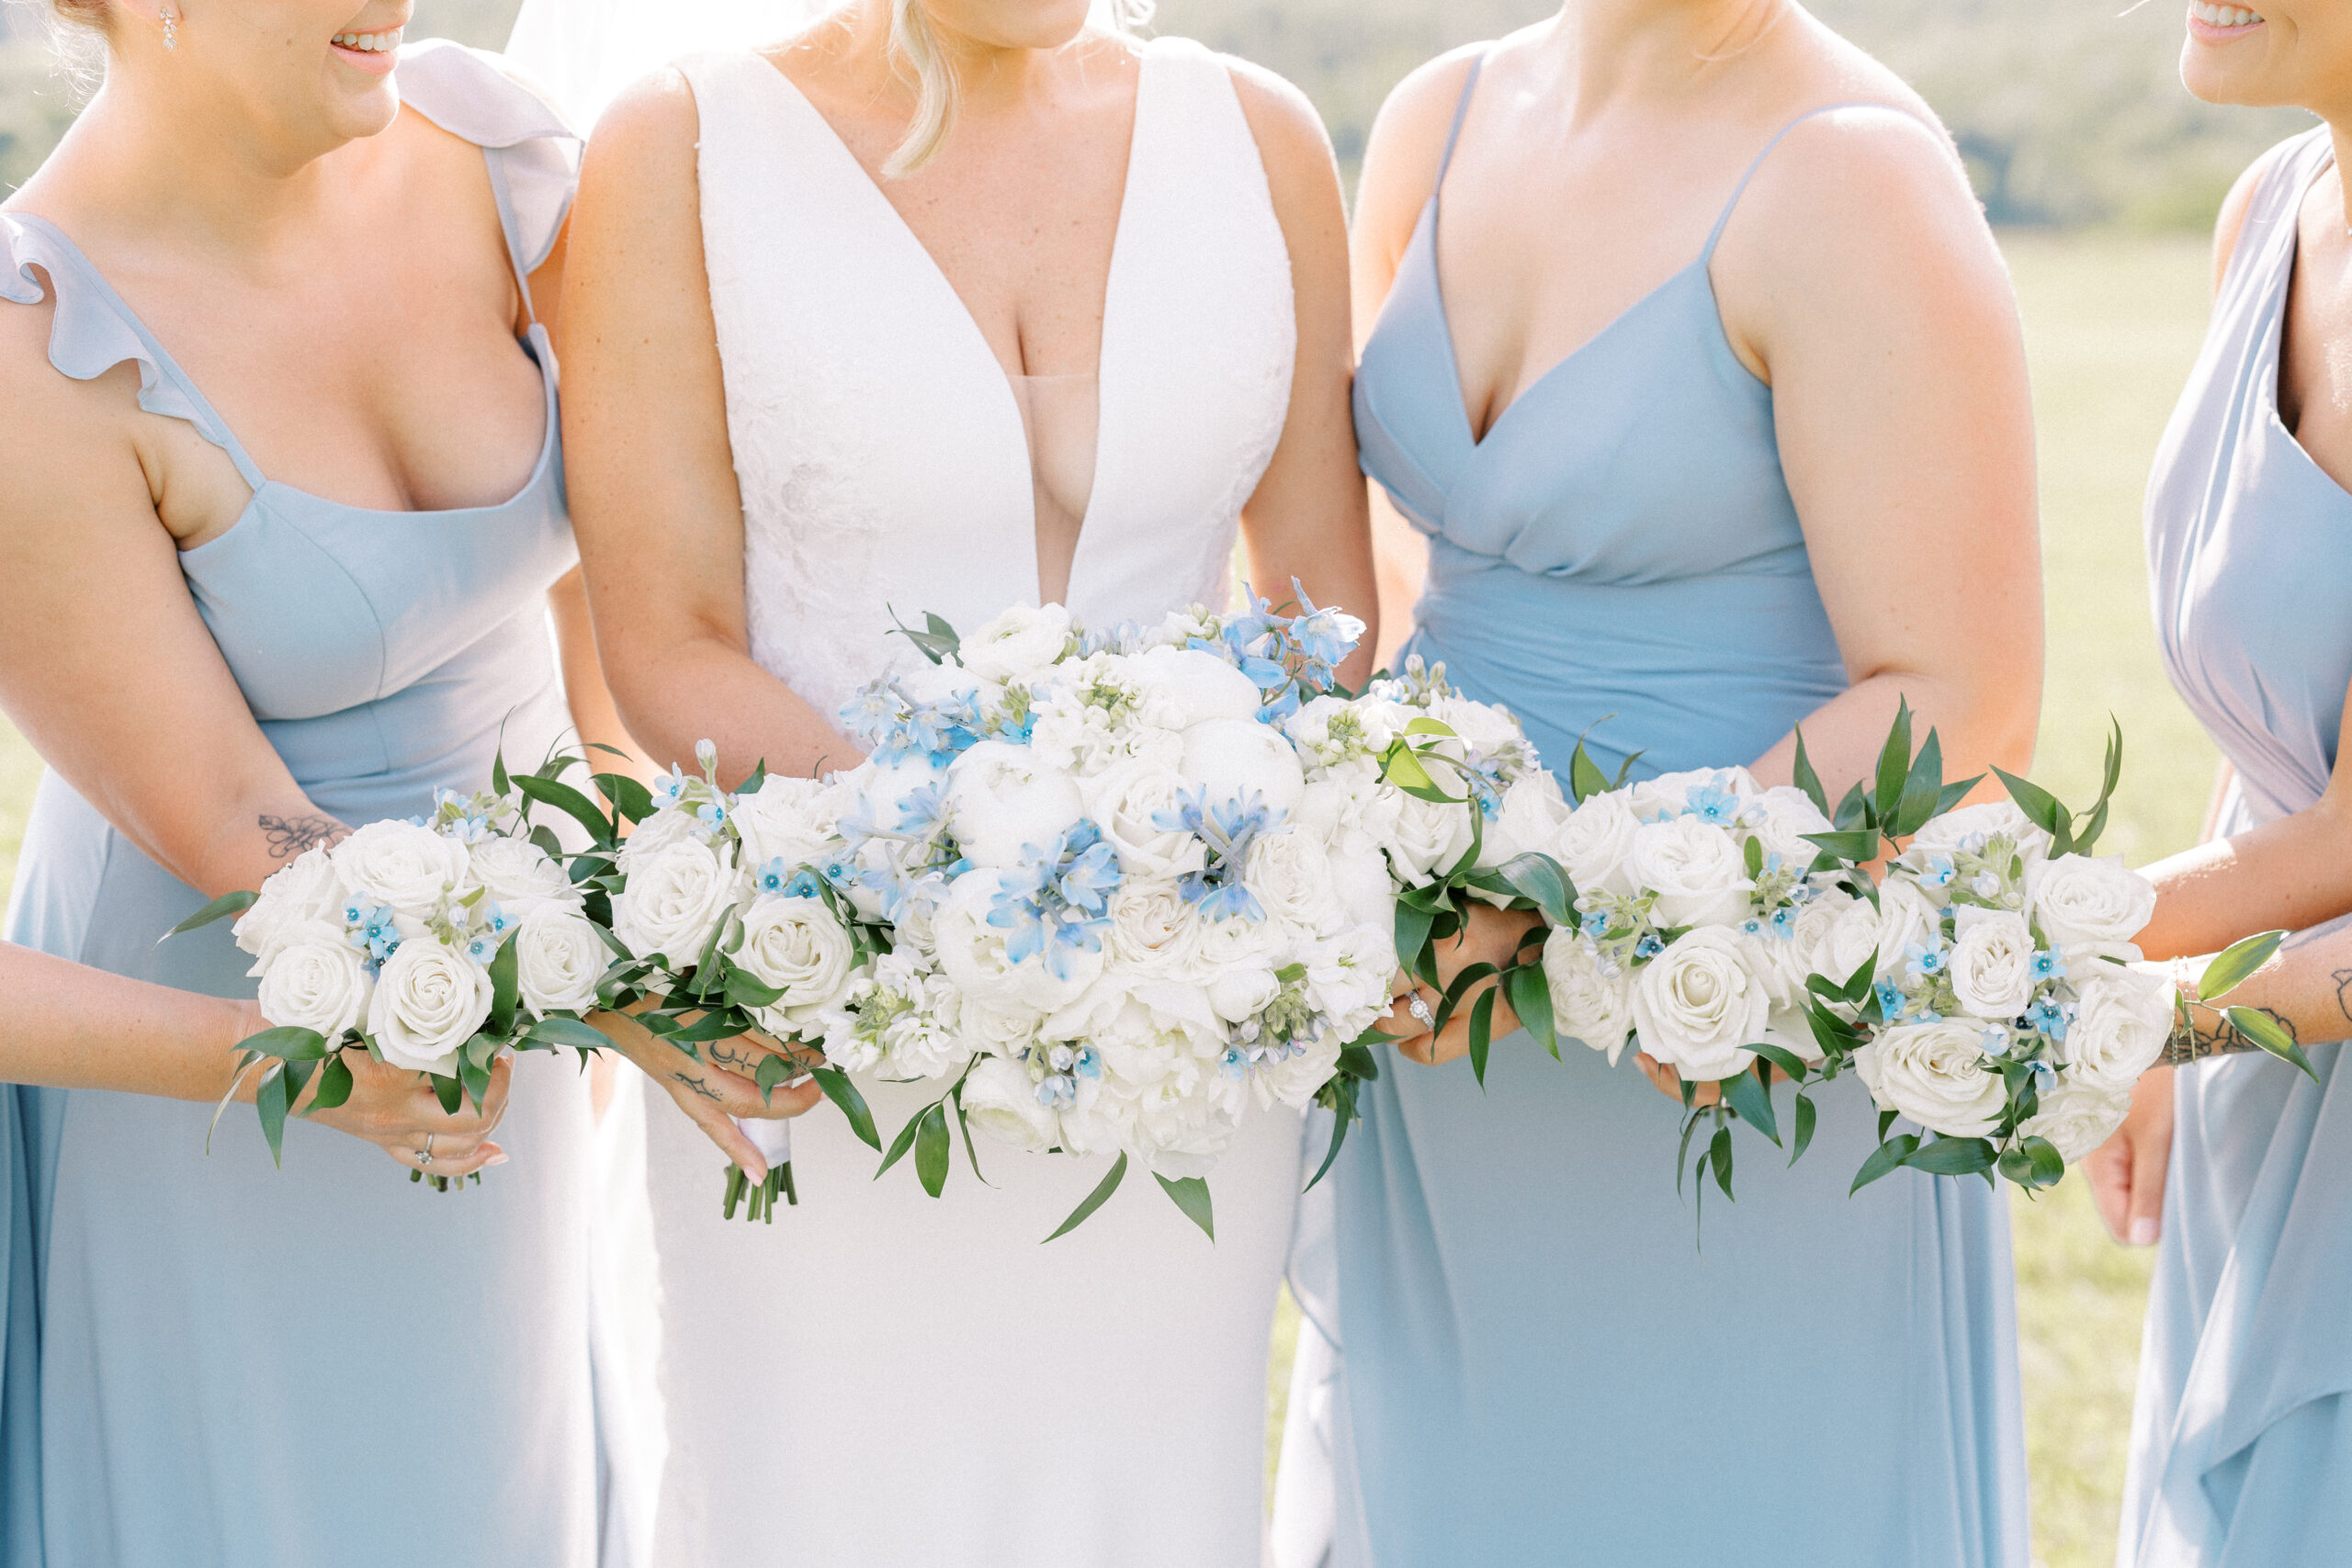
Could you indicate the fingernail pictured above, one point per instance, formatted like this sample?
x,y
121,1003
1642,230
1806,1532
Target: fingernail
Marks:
x,y
2143,1232
495,1159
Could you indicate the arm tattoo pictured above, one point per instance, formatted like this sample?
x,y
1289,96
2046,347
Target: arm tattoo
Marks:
x,y
696,1085
2215,1035
291,835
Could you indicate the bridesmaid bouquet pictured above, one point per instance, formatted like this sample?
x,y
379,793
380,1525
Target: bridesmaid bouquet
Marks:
x,y
1119,912
431,944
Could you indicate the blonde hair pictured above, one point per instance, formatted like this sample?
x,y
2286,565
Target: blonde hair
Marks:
x,y
916,48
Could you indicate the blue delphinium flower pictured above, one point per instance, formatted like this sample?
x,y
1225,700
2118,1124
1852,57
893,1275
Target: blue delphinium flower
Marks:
x,y
1054,903
1228,830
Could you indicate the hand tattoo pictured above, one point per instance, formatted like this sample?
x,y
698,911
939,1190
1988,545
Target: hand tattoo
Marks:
x,y
2342,978
289,836
724,1056
696,1085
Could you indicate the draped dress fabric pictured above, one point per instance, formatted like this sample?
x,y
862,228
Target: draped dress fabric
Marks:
x,y
1531,1358
2242,1431
213,1363
885,1378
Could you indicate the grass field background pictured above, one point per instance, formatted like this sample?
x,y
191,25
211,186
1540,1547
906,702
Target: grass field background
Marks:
x,y
2113,324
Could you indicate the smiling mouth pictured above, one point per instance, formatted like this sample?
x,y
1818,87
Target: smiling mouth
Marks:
x,y
2230,18
369,43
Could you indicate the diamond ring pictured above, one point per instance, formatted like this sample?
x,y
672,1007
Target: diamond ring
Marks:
x,y
1419,1007
424,1156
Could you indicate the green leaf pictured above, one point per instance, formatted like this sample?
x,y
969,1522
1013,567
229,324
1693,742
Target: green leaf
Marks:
x,y
475,1075
971,1150
1531,998
1585,777
1893,765
1807,780
1719,1157
334,1085
2267,1032
2042,807
569,801
1857,846
1754,855
269,1099
1425,724
900,1145
1412,933
1804,1135
630,797
2049,1165
1953,794
1402,767
499,781
1781,1057
552,846
714,1025
1542,881
1690,1125
1853,808
933,1151
557,1030
505,986
221,908
1888,1156
286,1043
1746,1094
746,990
1921,789
1094,1200
772,1070
1952,1157
841,1092
938,641
450,1091
2232,965
1481,1028
1343,1111
1191,1195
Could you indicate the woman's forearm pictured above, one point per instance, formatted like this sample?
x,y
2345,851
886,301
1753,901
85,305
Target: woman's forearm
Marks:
x,y
594,716
1844,735
2306,988
697,689
2295,873
63,1025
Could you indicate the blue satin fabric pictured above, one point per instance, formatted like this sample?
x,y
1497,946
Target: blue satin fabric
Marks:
x,y
2242,1432
211,1363
1541,1363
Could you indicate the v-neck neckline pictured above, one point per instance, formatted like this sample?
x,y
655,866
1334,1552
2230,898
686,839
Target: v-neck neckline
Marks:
x,y
1006,397
2282,293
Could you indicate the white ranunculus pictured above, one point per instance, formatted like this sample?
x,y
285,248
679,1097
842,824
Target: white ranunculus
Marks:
x,y
2091,906
798,946
971,951
1154,933
793,819
2121,1020
1182,1127
315,980
1239,941
1992,962
1426,838
1235,759
2076,1118
934,683
1018,643
302,894
558,958
1123,801
1533,813
1970,827
675,897
1001,1100
1242,991
1296,1080
401,865
1696,869
1290,875
1485,726
1003,799
429,1001
1188,686
1591,845
1348,977
1936,1075
1586,1004
1697,1006
1782,817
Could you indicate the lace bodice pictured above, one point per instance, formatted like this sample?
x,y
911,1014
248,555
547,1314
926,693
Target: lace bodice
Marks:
x,y
877,442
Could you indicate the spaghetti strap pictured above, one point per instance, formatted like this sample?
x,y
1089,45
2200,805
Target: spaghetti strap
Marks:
x,y
1461,112
1740,189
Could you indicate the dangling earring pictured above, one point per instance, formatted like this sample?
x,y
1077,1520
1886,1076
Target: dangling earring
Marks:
x,y
171,29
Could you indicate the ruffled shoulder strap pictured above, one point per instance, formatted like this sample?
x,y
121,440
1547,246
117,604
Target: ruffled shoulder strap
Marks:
x,y
93,330
533,152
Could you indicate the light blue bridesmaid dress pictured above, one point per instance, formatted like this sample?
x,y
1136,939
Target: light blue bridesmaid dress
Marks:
x,y
1541,1364
213,1363
2242,1433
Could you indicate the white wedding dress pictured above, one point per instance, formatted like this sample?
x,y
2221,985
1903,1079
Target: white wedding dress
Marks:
x,y
882,1378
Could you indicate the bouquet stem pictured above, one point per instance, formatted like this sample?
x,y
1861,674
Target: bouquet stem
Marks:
x,y
444,1183
757,1199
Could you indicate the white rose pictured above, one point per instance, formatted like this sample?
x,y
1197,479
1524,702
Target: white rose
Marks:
x,y
2121,1020
1696,869
1123,801
1294,1080
971,952
1001,1100
1533,813
1851,940
1483,725
1781,819
794,819
1992,962
1243,992
1018,643
1936,1075
1669,794
671,826
675,897
1971,826
987,1031
518,875
1696,1006
1182,1127
1591,845
1426,838
2076,1118
797,946
1586,1004
1906,919
558,958
1785,961
1155,934
1001,799
303,893
1290,875
1188,686
315,980
429,1001
2090,907
1233,759
401,865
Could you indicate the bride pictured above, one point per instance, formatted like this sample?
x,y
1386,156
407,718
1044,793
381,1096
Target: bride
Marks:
x,y
946,306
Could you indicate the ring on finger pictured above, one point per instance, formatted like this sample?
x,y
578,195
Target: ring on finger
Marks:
x,y
1419,1007
425,1155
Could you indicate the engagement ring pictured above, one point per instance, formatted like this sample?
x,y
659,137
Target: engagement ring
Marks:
x,y
425,1155
1419,1007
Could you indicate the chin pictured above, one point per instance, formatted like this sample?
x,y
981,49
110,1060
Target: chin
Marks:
x,y
1015,24
354,110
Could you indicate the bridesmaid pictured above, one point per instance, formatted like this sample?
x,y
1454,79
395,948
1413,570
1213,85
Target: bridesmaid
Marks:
x,y
1697,368
292,573
2242,1436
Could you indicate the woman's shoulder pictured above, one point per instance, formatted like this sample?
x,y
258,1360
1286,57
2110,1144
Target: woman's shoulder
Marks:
x,y
2301,152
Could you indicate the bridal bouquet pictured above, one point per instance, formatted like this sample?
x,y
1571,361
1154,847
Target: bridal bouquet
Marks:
x,y
431,944
1120,912
1978,985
